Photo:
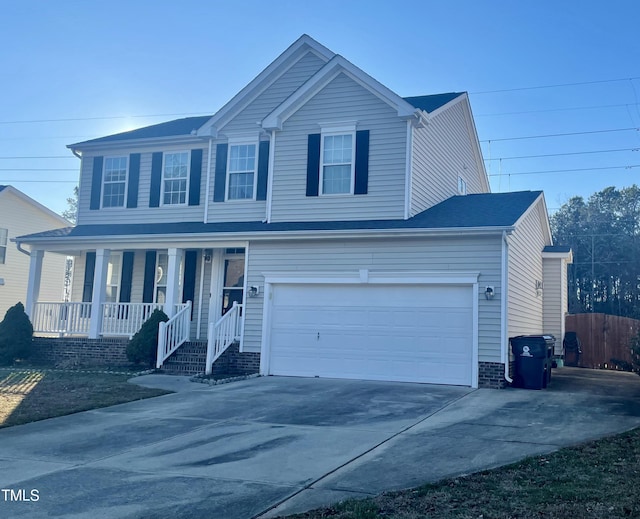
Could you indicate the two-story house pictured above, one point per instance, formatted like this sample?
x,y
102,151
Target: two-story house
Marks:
x,y
330,226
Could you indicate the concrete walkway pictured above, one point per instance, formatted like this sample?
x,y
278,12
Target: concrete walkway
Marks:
x,y
270,446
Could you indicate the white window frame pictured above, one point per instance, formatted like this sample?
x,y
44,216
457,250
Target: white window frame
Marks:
x,y
333,130
118,283
104,182
5,239
255,142
163,180
462,186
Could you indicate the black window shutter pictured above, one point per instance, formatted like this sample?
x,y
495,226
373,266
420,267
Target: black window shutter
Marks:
x,y
195,177
313,164
221,173
127,277
96,183
89,271
362,163
263,170
156,179
134,180
149,276
189,277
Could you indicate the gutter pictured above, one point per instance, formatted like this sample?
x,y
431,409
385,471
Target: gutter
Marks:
x,y
209,237
503,306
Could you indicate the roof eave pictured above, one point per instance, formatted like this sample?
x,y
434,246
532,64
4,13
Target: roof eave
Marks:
x,y
146,239
178,139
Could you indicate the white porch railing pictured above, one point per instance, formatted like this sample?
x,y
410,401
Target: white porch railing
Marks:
x,y
173,334
223,334
61,318
118,319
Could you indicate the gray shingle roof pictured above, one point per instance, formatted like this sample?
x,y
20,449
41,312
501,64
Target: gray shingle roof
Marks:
x,y
557,248
2,187
459,212
432,102
186,125
168,129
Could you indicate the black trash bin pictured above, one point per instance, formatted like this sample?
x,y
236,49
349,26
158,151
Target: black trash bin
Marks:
x,y
533,357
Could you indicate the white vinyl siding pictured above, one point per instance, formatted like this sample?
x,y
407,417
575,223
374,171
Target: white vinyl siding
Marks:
x,y
19,217
442,153
342,99
525,268
142,213
481,254
275,94
555,298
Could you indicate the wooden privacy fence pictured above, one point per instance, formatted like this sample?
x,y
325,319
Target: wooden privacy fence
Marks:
x,y
605,339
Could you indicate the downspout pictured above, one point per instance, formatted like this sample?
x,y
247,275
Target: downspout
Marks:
x,y
206,197
503,306
272,151
19,247
408,171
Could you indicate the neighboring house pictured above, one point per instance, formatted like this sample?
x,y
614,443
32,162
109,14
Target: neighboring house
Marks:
x,y
354,227
21,215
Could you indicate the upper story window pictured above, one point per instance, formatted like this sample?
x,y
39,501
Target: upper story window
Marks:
x,y
114,183
175,178
241,172
4,233
337,164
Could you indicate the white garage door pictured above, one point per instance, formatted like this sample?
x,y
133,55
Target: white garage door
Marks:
x,y
416,333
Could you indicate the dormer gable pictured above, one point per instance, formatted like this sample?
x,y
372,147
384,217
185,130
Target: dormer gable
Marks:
x,y
338,65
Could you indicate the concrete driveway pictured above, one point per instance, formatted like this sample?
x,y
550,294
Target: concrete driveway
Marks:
x,y
271,446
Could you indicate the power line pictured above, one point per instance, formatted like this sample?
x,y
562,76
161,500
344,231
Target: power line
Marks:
x,y
563,170
39,169
581,83
16,181
567,109
40,157
561,154
98,118
560,134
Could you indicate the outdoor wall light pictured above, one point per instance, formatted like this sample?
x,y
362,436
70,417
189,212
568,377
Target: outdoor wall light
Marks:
x,y
207,255
489,292
254,291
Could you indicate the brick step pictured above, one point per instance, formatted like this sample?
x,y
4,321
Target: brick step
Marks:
x,y
189,359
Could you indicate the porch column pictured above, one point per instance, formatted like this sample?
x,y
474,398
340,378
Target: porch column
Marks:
x,y
33,286
99,289
173,281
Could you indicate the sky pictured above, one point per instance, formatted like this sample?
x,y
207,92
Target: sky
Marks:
x,y
554,85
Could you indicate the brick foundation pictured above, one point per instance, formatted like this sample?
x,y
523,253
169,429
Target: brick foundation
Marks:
x,y
80,351
233,363
491,375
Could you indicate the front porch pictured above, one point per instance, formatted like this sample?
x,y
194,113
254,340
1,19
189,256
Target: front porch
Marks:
x,y
201,290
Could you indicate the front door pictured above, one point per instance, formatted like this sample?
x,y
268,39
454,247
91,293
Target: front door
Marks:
x,y
233,284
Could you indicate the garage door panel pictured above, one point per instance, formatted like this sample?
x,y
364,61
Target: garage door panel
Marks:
x,y
404,333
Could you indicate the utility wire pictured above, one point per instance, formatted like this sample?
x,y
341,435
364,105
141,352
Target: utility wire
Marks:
x,y
561,154
560,134
16,181
558,85
98,118
41,157
567,109
564,170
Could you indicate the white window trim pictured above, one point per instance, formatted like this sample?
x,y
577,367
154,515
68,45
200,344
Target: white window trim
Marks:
x,y
5,245
333,129
240,142
118,283
186,197
126,182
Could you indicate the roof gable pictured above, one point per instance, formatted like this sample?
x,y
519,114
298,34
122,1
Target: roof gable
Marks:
x,y
262,81
326,74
